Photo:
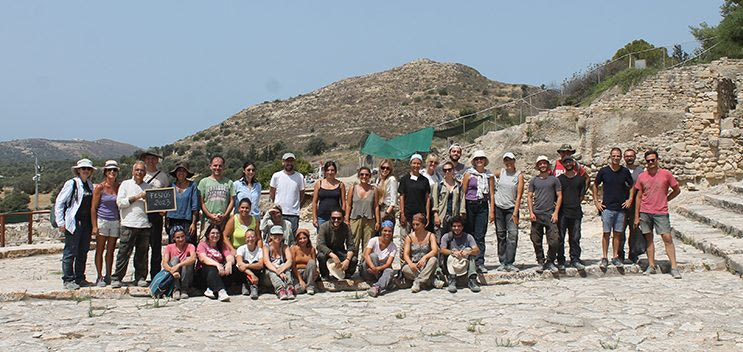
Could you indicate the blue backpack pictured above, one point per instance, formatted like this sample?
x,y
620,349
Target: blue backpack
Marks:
x,y
162,285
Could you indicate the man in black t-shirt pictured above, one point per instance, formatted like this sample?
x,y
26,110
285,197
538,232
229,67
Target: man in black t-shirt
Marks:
x,y
616,181
414,193
571,214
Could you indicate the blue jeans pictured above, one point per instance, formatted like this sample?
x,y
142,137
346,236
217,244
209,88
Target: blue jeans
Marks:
x,y
613,220
75,254
572,227
294,220
508,235
321,220
477,225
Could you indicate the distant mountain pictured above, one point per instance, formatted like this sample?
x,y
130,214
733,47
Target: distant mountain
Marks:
x,y
47,149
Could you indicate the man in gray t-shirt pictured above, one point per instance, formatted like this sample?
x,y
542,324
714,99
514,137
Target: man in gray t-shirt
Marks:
x,y
544,200
458,253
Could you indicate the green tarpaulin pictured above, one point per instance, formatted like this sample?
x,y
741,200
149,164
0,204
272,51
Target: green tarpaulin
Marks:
x,y
400,147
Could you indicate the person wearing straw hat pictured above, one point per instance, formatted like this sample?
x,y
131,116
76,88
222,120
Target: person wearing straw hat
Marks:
x,y
157,179
105,220
72,210
415,193
335,252
544,200
458,253
379,254
478,185
135,227
509,189
186,214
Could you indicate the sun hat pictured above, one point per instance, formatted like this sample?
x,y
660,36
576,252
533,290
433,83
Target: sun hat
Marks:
x,y
457,266
479,154
111,165
149,152
335,270
542,158
288,156
509,155
566,148
84,163
183,165
416,156
276,230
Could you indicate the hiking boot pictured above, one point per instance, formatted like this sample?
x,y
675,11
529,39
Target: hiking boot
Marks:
x,y
438,284
253,292
373,291
604,264
617,262
177,295
223,296
416,287
142,283
101,282
482,269
472,285
578,265
452,288
209,293
70,285
290,293
649,270
115,284
282,294
245,290
675,273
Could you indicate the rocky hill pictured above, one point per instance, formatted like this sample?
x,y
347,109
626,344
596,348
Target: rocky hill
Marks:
x,y
49,150
403,99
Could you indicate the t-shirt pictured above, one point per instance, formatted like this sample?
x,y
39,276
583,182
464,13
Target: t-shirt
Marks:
x,y
287,191
545,193
414,188
636,172
157,179
216,193
173,251
616,186
559,169
382,254
655,191
451,242
248,256
213,253
573,188
458,171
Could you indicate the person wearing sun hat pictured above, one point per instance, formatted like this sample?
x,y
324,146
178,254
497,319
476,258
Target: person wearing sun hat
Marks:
x,y
509,189
105,221
72,215
157,179
186,214
478,185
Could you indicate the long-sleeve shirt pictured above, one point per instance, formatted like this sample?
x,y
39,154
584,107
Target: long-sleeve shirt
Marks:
x,y
390,191
132,214
330,239
186,202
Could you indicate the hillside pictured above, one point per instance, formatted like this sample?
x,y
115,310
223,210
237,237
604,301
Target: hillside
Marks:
x,y
52,150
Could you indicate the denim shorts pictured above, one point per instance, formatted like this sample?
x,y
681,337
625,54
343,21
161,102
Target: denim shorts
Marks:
x,y
613,220
108,228
660,222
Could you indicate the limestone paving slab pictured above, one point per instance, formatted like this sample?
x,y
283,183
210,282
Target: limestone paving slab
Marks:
x,y
729,221
732,202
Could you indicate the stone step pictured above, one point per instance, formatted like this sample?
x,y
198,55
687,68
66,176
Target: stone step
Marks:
x,y
736,187
728,221
732,202
709,240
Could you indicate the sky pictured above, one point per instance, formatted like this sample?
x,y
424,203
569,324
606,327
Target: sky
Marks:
x,y
151,72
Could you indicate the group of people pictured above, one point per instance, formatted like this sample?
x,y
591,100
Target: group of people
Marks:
x,y
442,209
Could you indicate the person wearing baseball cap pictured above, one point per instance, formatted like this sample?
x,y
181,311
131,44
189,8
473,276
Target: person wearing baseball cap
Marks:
x,y
478,185
508,192
287,190
544,200
415,191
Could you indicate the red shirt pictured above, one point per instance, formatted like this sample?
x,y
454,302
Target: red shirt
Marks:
x,y
559,169
655,191
173,251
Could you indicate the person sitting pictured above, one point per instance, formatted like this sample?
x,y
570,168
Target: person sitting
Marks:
x,y
278,263
304,263
458,253
335,247
250,262
419,255
378,257
179,258
216,261
272,218
239,224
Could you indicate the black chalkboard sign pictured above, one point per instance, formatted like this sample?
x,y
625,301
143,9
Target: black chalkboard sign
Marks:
x,y
159,199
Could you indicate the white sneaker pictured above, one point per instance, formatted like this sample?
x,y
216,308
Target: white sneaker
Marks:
x,y
416,287
209,293
223,297
438,284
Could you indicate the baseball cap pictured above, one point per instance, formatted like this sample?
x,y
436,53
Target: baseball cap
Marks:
x,y
288,156
509,155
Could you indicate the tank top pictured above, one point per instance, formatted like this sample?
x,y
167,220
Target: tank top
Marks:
x,y
238,234
417,251
471,189
281,259
362,207
107,208
83,212
506,189
327,200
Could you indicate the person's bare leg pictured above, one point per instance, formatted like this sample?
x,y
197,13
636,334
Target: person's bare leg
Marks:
x,y
605,244
670,248
110,248
100,246
616,239
650,249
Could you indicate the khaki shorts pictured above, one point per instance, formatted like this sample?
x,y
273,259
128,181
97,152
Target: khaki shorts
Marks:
x,y
109,228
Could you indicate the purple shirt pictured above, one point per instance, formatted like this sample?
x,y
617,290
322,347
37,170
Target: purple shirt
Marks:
x,y
107,208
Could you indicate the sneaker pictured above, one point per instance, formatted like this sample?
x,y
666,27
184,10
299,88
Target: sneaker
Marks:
x,y
310,290
282,294
373,291
253,292
617,262
512,268
438,284
142,283
502,268
223,296
85,283
675,273
209,293
649,270
561,267
70,285
481,268
101,282
299,289
107,279
604,264
452,285
290,292
541,268
473,286
115,284
629,261
245,290
416,287
177,295
184,295
552,268
578,265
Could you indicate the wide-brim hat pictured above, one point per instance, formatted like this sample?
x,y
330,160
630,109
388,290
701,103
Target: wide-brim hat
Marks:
x,y
111,165
183,165
566,148
542,158
336,270
479,154
149,152
84,163
457,266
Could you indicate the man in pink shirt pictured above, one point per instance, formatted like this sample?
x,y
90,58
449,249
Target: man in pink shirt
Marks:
x,y
653,197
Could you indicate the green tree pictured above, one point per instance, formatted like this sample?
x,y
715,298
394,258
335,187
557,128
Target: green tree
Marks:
x,y
641,50
266,171
15,201
726,39
316,146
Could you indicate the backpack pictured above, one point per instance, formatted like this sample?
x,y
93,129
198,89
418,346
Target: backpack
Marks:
x,y
67,204
162,285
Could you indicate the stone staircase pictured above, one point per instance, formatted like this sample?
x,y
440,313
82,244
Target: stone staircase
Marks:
x,y
714,225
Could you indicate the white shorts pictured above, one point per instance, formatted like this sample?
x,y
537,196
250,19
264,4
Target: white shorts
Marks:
x,y
108,228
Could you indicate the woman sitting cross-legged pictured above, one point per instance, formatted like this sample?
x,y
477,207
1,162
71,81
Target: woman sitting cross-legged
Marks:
x,y
419,255
179,258
304,263
216,260
250,262
278,263
378,256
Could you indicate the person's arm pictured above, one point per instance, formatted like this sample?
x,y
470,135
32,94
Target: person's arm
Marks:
x,y
376,210
436,204
229,209
434,247
293,250
369,263
630,183
558,205
314,202
191,260
428,207
194,210
392,186
289,260
166,262
530,203
59,204
343,191
204,259
229,228
349,203
676,191
124,200
491,196
268,264
444,247
272,194
349,246
463,192
322,247
97,191
595,190
474,249
406,254
586,176
402,209
638,201
519,195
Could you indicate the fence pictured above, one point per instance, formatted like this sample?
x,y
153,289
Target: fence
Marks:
x,y
29,218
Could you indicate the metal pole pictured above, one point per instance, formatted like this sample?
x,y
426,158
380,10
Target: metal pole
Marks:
x,y
37,177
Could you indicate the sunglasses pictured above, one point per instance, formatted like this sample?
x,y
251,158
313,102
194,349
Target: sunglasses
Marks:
x,y
650,160
86,168
447,170
364,174
336,218
385,168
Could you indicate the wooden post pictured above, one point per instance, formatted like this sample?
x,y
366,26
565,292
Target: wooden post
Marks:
x,y
2,230
30,228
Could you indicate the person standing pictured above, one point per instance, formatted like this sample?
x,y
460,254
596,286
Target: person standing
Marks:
x,y
249,187
362,211
636,239
447,200
509,189
652,195
571,214
414,194
544,200
104,215
135,227
287,190
72,211
157,179
478,184
186,214
559,168
455,153
217,194
328,194
617,181
431,173
387,190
